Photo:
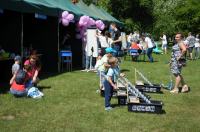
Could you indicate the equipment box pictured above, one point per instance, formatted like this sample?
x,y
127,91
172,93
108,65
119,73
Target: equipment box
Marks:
x,y
122,100
102,93
148,88
153,107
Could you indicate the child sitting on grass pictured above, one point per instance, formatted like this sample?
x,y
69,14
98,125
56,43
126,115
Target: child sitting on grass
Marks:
x,y
18,81
15,67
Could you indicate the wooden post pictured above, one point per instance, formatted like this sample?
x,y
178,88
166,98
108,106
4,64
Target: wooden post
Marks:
x,y
135,75
58,41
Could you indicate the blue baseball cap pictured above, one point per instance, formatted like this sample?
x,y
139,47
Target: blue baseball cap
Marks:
x,y
110,50
17,58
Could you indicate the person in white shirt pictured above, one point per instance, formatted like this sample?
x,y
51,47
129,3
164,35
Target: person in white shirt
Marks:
x,y
191,41
105,41
150,47
196,47
164,43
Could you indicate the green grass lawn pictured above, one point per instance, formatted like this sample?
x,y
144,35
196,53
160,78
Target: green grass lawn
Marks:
x,y
71,104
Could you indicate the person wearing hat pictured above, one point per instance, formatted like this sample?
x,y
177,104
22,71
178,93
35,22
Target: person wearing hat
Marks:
x,y
104,60
15,67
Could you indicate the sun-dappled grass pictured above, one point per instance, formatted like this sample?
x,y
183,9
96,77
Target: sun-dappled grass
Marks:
x,y
71,104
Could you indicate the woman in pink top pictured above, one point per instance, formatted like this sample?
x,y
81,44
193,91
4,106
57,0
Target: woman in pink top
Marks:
x,y
34,70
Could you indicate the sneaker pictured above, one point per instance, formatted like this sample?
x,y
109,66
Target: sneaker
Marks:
x,y
108,108
175,91
185,89
84,70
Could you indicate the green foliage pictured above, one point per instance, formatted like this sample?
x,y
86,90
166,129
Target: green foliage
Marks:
x,y
88,2
134,13
176,15
131,26
156,16
188,16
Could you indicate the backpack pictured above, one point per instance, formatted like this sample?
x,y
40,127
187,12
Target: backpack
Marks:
x,y
20,77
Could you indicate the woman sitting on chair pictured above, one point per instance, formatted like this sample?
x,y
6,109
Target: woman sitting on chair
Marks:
x,y
135,50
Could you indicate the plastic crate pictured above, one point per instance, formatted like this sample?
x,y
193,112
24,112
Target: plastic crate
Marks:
x,y
148,88
153,107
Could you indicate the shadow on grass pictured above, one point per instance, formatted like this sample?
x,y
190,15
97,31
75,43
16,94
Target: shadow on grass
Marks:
x,y
125,70
4,88
43,87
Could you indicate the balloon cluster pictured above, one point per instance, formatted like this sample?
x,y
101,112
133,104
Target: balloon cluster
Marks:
x,y
100,25
67,18
86,21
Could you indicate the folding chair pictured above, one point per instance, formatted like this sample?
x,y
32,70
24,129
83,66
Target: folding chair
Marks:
x,y
134,54
66,58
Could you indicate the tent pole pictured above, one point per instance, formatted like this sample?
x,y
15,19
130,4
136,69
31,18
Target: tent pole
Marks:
x,y
22,35
58,35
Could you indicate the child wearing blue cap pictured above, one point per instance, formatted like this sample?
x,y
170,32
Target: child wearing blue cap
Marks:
x,y
15,67
103,65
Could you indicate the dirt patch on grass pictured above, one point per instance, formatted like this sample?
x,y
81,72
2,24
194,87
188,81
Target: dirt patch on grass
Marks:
x,y
7,117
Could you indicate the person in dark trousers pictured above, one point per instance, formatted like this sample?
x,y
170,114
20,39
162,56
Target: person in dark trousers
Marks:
x,y
117,41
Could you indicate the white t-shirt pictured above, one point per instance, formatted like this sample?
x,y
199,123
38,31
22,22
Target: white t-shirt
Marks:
x,y
149,42
105,43
164,39
129,38
197,44
103,60
143,45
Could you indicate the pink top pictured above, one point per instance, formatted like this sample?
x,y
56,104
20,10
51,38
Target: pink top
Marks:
x,y
32,70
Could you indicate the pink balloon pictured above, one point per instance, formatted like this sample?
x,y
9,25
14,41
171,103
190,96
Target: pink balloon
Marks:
x,y
85,23
98,23
91,22
82,32
65,22
86,18
65,14
81,23
102,27
70,17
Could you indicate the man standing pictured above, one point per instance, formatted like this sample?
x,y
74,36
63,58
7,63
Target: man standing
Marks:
x,y
164,43
190,42
117,42
150,47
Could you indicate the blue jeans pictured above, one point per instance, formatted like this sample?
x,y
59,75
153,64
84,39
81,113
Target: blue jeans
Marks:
x,y
196,53
108,93
101,75
29,84
149,54
18,93
117,49
89,62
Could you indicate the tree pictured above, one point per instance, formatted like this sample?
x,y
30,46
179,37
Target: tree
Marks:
x,y
188,16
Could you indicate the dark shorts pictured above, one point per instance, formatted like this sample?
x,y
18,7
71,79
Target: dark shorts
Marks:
x,y
190,49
